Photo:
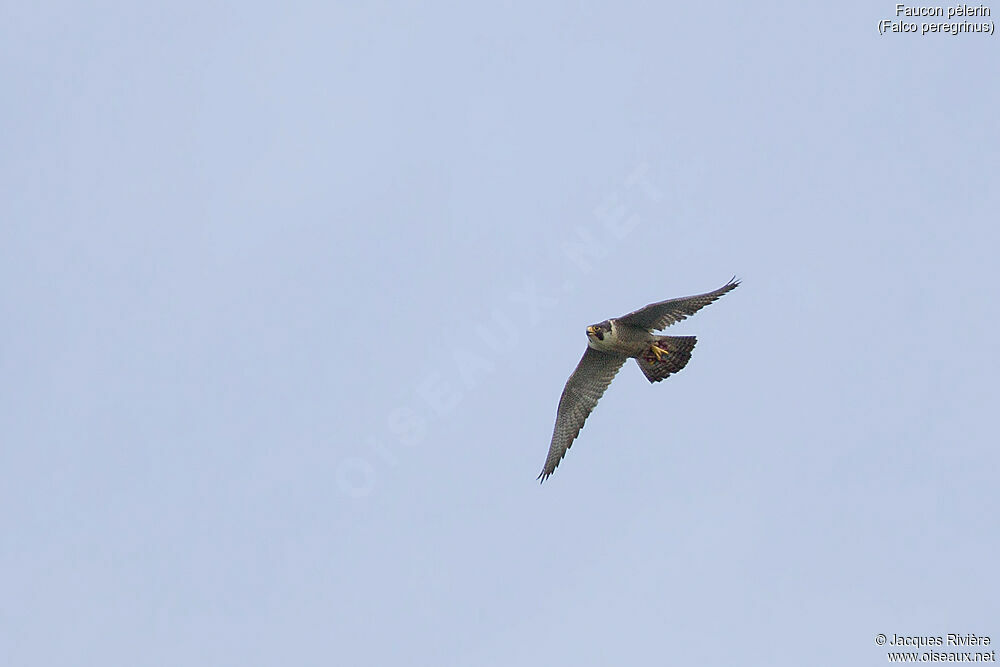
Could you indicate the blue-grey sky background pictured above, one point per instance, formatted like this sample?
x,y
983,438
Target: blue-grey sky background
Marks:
x,y
289,297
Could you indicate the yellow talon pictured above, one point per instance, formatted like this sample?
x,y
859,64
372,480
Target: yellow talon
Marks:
x,y
658,351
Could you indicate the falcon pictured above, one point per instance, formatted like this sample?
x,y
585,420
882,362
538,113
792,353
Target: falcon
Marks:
x,y
609,345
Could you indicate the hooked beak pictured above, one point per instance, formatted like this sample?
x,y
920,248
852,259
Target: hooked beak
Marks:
x,y
590,330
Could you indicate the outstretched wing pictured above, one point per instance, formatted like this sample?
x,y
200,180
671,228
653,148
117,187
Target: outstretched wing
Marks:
x,y
663,314
584,388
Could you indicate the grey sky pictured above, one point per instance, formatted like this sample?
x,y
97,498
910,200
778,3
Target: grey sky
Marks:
x,y
267,277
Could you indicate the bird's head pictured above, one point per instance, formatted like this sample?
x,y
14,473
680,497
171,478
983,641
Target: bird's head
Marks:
x,y
598,331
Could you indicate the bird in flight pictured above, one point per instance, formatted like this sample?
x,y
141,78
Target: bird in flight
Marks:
x,y
609,345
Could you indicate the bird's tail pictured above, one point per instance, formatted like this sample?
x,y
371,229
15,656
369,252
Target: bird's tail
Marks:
x,y
674,353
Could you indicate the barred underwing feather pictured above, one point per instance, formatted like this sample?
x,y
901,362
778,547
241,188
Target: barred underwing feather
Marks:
x,y
661,315
583,390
